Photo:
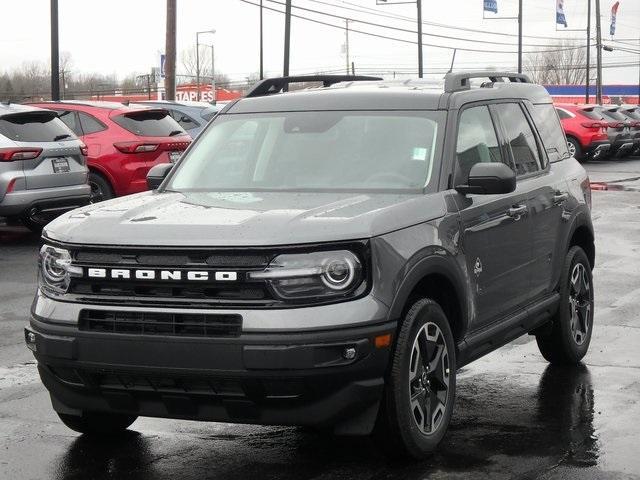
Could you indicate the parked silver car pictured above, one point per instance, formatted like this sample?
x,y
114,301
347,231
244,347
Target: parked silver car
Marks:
x,y
43,170
192,116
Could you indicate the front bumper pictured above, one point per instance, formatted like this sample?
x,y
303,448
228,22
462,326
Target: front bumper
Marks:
x,y
44,203
271,378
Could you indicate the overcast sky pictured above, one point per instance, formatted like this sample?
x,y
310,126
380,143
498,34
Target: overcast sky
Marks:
x,y
126,36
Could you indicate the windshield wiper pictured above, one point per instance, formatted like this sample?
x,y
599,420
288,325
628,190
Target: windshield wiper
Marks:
x,y
61,137
176,132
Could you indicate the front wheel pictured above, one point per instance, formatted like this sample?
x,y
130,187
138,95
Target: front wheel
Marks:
x,y
568,340
421,385
98,423
575,149
100,188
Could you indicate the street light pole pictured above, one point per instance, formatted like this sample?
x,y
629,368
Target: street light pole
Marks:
x,y
287,39
419,5
261,46
55,53
212,31
520,36
346,43
588,80
197,67
213,75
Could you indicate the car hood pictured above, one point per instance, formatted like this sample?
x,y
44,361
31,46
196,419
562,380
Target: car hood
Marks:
x,y
241,218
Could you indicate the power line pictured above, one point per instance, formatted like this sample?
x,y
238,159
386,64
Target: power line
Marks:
x,y
405,30
387,37
371,11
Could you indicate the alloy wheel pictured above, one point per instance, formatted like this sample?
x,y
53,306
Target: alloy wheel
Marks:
x,y
572,148
429,378
580,303
97,195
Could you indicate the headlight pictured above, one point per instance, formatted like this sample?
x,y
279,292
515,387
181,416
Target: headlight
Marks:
x,y
309,275
56,269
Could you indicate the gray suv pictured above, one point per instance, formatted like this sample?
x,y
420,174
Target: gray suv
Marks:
x,y
328,257
43,170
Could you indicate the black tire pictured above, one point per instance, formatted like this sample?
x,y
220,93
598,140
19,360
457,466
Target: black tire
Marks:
x,y
98,423
568,340
100,188
577,149
397,428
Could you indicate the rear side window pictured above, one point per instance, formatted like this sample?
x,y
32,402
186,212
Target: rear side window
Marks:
x,y
150,123
35,127
90,124
477,142
563,114
591,113
70,119
520,137
551,132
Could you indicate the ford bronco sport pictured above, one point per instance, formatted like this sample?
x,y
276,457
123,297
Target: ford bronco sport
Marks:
x,y
327,257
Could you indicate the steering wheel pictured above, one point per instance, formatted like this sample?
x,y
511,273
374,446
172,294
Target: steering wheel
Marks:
x,y
391,176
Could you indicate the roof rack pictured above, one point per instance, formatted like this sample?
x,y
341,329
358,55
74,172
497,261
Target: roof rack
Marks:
x,y
269,86
456,82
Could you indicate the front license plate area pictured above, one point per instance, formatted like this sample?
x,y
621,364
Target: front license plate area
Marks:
x,y
60,165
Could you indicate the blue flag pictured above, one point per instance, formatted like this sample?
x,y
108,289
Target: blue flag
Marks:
x,y
560,18
491,6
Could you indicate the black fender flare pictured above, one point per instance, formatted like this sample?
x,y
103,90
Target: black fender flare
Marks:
x,y
581,218
440,264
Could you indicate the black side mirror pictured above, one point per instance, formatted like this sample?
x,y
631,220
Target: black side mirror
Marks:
x,y
157,174
489,178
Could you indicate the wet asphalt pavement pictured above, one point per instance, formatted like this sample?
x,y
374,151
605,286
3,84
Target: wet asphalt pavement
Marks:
x,y
515,416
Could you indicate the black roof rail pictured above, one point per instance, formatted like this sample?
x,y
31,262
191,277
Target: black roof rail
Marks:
x,y
458,81
269,86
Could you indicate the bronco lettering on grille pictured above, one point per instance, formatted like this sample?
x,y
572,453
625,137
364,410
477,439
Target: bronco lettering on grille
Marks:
x,y
163,275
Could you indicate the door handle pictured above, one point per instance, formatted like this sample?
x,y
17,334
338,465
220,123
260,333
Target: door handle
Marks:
x,y
517,211
560,197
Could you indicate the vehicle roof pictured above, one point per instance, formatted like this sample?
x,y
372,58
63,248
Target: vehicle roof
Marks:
x,y
9,108
387,95
185,103
88,103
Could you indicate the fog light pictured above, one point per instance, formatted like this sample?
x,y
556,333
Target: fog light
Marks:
x,y
349,353
30,339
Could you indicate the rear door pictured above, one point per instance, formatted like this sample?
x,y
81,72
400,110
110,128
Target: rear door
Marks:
x,y
496,229
549,192
59,161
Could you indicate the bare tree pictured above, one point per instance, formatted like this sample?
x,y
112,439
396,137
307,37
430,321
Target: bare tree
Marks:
x,y
189,62
562,65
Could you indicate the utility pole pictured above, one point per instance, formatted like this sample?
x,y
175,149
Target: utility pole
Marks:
x,y
213,75
598,55
420,66
261,46
519,36
55,53
588,81
170,51
287,39
346,42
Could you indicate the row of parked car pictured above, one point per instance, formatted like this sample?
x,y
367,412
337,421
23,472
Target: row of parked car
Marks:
x,y
55,156
596,132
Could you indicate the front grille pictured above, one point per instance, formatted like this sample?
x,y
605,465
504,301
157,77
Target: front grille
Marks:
x,y
168,324
179,293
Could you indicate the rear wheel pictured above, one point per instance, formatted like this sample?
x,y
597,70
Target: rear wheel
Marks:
x,y
575,149
421,385
568,340
98,423
100,188
34,226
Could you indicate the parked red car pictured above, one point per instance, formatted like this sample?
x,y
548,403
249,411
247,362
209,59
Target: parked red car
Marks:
x,y
123,142
587,138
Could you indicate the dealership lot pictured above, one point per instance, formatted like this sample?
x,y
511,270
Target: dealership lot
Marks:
x,y
515,415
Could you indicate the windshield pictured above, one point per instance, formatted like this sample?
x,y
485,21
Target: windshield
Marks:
x,y
314,151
